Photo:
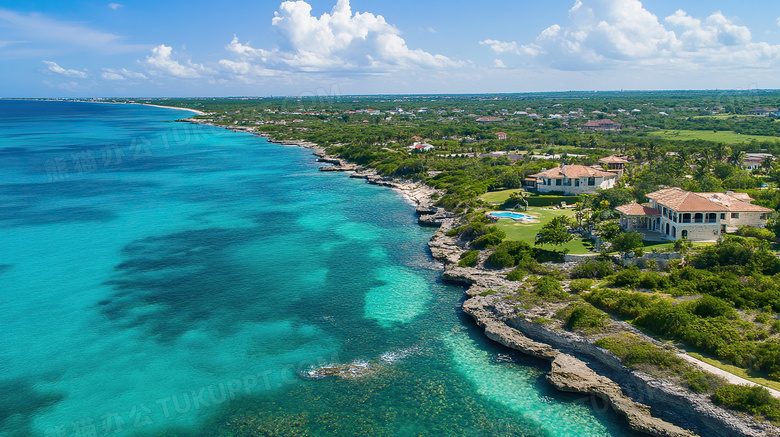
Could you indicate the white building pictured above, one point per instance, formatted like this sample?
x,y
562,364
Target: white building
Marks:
x,y
574,179
678,214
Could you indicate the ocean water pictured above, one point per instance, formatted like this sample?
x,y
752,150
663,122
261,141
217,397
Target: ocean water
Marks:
x,y
161,278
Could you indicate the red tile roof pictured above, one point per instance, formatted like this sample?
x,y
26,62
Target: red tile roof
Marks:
x,y
635,209
573,171
684,201
733,203
601,123
613,160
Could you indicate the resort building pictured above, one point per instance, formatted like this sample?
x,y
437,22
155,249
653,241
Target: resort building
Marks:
x,y
501,135
677,214
574,179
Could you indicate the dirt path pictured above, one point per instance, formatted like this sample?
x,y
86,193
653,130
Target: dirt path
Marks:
x,y
730,377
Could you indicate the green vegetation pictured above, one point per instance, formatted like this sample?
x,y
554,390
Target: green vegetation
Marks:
x,y
470,258
554,232
634,352
727,137
754,400
582,317
722,300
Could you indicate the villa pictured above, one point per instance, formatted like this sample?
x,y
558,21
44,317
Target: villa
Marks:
x,y
615,164
574,179
601,125
677,214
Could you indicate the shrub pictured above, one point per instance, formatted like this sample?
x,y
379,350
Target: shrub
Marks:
x,y
711,306
629,277
580,285
500,259
492,239
548,287
633,351
469,258
517,274
582,317
755,400
699,382
621,303
653,281
593,268
760,233
651,264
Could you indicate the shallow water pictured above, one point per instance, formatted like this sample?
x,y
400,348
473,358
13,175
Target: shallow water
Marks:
x,y
161,278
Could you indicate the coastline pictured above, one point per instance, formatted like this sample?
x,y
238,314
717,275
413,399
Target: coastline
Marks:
x,y
650,404
169,107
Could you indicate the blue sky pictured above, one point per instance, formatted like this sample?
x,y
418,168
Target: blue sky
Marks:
x,y
85,48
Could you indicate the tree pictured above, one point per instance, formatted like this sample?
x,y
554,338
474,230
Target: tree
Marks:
x,y
737,157
554,232
627,242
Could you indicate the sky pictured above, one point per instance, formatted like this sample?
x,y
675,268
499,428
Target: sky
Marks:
x,y
159,48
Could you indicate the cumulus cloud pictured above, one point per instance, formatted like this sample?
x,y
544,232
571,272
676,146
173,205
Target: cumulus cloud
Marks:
x,y
65,72
161,62
120,74
115,6
337,41
508,47
497,63
601,33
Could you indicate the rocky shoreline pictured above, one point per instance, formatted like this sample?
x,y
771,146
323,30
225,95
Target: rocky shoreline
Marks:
x,y
650,404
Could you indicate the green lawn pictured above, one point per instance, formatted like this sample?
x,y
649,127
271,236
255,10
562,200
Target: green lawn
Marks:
x,y
728,137
521,231
498,197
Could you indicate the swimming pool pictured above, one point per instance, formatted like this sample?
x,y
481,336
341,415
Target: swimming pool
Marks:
x,y
509,215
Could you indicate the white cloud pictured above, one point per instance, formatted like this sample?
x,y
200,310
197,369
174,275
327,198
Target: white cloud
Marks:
x,y
39,29
65,72
115,6
337,41
160,62
501,47
121,74
497,63
604,33
110,75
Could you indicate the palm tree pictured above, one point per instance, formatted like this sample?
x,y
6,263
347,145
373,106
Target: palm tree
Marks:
x,y
737,157
768,163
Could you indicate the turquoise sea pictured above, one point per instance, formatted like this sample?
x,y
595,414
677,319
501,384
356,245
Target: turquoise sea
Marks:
x,y
161,278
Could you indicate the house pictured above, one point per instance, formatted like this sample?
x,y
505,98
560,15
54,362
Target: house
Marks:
x,y
421,147
574,179
765,111
484,120
615,164
678,213
501,135
754,161
601,125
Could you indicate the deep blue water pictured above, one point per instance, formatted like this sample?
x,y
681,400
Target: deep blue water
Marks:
x,y
161,278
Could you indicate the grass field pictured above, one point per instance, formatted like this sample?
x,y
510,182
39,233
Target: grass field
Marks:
x,y
727,137
498,197
521,231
